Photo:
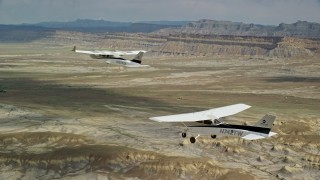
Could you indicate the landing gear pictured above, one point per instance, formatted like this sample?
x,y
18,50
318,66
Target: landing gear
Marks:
x,y
184,134
192,139
213,136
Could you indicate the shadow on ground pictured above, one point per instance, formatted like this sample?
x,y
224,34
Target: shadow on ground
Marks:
x,y
35,94
293,79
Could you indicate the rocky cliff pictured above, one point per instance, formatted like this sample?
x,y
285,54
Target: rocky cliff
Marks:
x,y
291,47
190,44
211,27
201,38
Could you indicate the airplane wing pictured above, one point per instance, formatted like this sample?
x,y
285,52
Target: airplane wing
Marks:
x,y
110,54
210,114
130,52
100,53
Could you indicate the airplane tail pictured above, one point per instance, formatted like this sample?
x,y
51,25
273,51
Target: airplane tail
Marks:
x,y
266,121
138,58
74,48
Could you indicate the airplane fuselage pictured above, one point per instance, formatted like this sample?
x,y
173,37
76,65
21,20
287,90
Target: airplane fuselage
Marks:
x,y
126,58
93,56
229,130
117,61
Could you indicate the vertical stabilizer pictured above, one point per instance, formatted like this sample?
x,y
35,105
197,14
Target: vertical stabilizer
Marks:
x,y
266,121
138,58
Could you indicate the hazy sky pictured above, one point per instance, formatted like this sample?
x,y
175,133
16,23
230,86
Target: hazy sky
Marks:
x,y
249,11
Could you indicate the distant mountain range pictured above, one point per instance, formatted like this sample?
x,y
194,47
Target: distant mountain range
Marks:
x,y
83,23
202,27
87,25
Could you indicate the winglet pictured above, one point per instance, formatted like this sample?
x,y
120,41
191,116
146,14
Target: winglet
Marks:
x,y
74,48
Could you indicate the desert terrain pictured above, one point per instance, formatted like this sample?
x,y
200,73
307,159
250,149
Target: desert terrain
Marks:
x,y
64,115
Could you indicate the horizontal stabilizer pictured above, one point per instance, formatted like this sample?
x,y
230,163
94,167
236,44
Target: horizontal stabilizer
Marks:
x,y
256,136
253,137
272,134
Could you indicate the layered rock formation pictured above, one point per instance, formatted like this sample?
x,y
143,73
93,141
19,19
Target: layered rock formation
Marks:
x,y
211,27
191,44
48,155
199,38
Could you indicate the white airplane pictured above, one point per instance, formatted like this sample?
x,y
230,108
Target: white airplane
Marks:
x,y
116,57
212,124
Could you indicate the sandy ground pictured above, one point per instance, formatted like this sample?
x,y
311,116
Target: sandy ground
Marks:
x,y
64,115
